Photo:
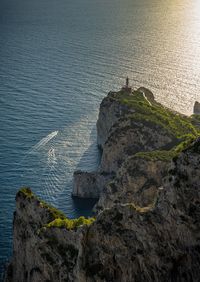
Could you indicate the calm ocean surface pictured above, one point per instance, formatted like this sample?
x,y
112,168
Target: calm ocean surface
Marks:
x,y
58,59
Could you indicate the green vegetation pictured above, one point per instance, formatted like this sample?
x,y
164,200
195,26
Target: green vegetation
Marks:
x,y
164,156
176,124
179,126
27,192
70,223
55,213
195,119
59,218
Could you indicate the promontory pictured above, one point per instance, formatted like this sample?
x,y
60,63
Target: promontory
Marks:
x,y
146,224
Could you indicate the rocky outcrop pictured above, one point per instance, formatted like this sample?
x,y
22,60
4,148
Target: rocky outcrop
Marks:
x,y
124,128
89,184
83,185
148,95
110,112
137,182
126,243
147,225
129,137
41,253
120,134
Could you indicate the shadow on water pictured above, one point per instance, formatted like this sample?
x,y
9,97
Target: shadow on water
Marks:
x,y
84,206
93,156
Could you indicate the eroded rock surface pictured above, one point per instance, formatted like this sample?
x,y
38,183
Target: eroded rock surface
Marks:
x,y
147,227
137,181
125,243
121,133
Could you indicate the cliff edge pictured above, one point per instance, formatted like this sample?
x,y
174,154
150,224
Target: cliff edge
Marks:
x,y
146,226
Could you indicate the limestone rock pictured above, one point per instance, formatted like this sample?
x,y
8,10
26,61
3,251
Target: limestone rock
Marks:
x,y
89,184
42,254
126,243
121,134
148,223
137,182
83,185
110,111
129,137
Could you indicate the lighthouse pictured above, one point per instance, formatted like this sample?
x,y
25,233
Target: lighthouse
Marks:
x,y
127,82
127,87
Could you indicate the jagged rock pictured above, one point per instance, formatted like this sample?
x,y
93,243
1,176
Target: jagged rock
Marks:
x,y
89,184
83,185
125,243
196,109
131,136
42,254
110,111
137,181
148,94
121,135
149,228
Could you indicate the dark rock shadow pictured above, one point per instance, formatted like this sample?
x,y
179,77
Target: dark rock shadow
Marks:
x,y
89,161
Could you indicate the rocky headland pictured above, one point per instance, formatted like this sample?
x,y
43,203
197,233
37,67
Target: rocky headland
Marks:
x,y
147,216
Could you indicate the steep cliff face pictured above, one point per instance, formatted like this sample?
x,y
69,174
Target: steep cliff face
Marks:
x,y
147,225
89,184
126,243
129,124
129,137
155,243
137,181
42,252
110,111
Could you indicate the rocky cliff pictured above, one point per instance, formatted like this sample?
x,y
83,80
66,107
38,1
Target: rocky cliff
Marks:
x,y
147,223
130,124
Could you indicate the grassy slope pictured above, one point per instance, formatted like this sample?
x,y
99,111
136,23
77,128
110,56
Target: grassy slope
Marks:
x,y
179,126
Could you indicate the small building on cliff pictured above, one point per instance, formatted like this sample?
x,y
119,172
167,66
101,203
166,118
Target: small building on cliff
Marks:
x,y
127,86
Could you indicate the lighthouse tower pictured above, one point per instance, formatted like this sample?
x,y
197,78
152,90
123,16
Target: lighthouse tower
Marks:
x,y
127,87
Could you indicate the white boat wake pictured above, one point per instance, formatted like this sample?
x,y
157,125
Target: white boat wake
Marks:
x,y
52,161
44,141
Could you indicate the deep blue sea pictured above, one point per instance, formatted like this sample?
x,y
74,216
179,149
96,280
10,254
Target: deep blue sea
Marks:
x,y
58,59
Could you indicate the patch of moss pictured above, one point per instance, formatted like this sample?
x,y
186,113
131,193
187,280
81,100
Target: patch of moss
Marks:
x,y
165,156
195,117
27,192
70,223
177,124
59,218
54,212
